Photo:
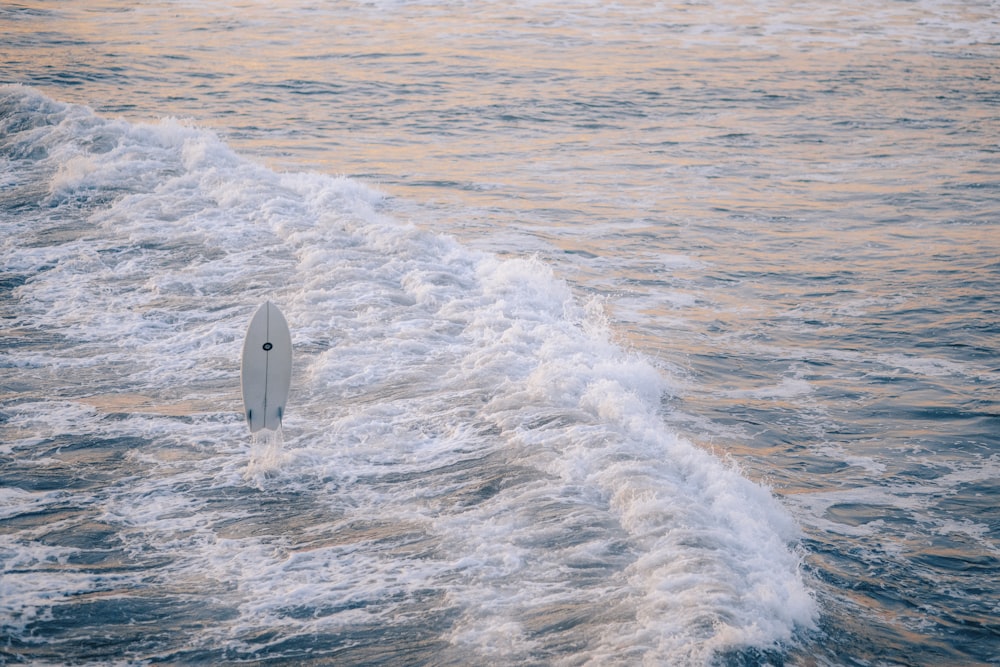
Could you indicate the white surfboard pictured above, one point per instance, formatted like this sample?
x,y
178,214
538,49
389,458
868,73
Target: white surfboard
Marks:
x,y
267,368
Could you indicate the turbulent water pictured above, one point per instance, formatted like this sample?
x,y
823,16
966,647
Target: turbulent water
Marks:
x,y
624,333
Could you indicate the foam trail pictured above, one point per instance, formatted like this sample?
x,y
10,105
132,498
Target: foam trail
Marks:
x,y
471,455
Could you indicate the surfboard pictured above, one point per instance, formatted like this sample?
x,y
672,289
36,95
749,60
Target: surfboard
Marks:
x,y
266,373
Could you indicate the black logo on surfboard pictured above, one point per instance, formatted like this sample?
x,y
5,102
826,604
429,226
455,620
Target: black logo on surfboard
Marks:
x,y
267,347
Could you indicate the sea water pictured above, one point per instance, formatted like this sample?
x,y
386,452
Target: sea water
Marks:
x,y
625,333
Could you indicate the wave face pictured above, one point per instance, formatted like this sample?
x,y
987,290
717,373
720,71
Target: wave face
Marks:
x,y
472,471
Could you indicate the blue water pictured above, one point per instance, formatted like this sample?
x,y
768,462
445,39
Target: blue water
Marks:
x,y
624,333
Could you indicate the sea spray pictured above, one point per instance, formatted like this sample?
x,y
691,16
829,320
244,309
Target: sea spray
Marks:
x,y
266,454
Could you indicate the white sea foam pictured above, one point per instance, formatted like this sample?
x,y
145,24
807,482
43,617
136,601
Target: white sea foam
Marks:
x,y
464,438
928,366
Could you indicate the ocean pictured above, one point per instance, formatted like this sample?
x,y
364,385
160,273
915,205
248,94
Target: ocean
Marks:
x,y
625,333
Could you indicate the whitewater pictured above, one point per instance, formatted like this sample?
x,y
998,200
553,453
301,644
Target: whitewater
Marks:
x,y
468,455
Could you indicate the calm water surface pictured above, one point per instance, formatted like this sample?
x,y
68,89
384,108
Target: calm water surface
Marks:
x,y
626,333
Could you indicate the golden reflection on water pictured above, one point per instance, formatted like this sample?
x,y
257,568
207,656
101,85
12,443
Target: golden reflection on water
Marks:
x,y
393,92
131,403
